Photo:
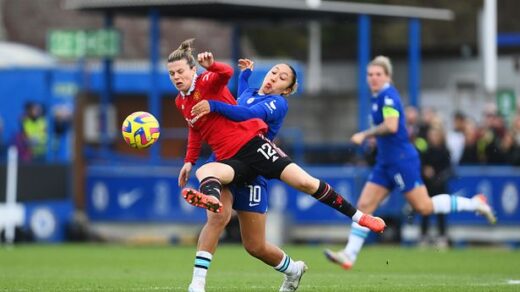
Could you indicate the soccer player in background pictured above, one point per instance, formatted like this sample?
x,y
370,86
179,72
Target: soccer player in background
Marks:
x,y
239,147
249,200
397,165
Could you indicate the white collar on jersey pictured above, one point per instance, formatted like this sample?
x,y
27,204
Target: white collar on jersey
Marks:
x,y
192,87
385,86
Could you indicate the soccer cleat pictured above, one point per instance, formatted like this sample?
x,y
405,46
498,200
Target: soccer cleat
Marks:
x,y
291,283
484,209
198,199
196,287
340,258
375,224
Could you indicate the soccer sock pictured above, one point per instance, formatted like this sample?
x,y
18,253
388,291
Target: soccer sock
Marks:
x,y
444,204
328,196
287,266
211,186
356,239
201,266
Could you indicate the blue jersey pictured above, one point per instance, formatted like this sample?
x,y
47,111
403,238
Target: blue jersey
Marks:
x,y
394,147
272,109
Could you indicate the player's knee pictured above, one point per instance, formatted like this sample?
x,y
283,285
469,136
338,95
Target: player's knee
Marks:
x,y
307,185
366,207
218,220
255,249
424,209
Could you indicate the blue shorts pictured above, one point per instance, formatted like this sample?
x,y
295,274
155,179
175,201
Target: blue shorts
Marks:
x,y
251,197
404,175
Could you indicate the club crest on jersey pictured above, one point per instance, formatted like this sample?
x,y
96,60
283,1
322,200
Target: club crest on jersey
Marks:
x,y
250,100
196,96
374,107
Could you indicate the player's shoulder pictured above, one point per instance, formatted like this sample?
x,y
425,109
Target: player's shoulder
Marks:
x,y
390,96
178,99
276,102
204,77
280,99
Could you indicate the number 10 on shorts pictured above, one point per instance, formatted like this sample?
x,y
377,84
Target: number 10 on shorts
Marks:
x,y
255,195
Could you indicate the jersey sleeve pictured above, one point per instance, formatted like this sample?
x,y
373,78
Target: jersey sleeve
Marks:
x,y
390,107
268,110
218,75
194,146
243,81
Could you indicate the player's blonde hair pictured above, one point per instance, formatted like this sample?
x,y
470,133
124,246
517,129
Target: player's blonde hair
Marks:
x,y
183,52
383,62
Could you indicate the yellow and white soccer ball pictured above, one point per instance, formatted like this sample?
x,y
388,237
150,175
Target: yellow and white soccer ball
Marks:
x,y
140,130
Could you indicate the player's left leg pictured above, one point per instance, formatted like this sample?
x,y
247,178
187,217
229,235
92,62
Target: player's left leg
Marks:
x,y
298,178
208,242
252,228
445,203
372,195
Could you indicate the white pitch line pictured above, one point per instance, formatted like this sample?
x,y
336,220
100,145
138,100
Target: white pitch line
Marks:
x,y
513,282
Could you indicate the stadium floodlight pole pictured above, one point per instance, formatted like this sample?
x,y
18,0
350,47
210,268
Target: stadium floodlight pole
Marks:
x,y
10,201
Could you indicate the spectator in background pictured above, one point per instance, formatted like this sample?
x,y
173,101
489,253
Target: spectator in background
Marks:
x,y
412,121
428,117
436,171
32,140
470,152
455,139
515,134
499,142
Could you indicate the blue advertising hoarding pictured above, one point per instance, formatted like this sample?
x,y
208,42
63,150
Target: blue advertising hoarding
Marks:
x,y
135,193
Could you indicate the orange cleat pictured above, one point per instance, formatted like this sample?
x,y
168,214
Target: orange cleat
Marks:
x,y
340,258
198,199
484,209
375,224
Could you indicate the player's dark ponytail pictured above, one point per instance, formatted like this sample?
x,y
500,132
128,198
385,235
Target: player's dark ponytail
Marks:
x,y
294,84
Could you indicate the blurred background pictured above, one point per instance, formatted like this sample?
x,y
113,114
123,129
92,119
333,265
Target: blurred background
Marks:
x,y
72,70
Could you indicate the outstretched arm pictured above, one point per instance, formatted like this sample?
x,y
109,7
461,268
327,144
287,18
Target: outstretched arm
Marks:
x,y
267,110
246,68
220,73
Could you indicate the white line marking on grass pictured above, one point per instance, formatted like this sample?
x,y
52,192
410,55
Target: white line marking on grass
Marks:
x,y
513,282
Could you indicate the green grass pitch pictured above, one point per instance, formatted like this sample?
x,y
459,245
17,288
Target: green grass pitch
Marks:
x,y
169,268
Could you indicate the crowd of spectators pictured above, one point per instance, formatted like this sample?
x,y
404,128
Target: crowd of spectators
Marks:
x,y
491,141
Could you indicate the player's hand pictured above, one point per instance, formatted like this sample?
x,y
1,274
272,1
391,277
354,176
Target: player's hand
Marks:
x,y
205,59
184,174
358,138
200,109
244,64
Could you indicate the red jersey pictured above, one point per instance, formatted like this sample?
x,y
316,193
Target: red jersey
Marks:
x,y
225,137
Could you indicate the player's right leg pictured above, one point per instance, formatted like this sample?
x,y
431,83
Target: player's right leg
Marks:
x,y
211,176
252,229
368,202
208,241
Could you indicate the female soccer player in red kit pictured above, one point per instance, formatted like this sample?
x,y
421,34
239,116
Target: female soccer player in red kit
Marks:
x,y
240,148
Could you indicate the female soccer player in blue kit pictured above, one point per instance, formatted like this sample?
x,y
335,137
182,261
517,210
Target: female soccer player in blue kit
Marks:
x,y
241,150
397,165
249,200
